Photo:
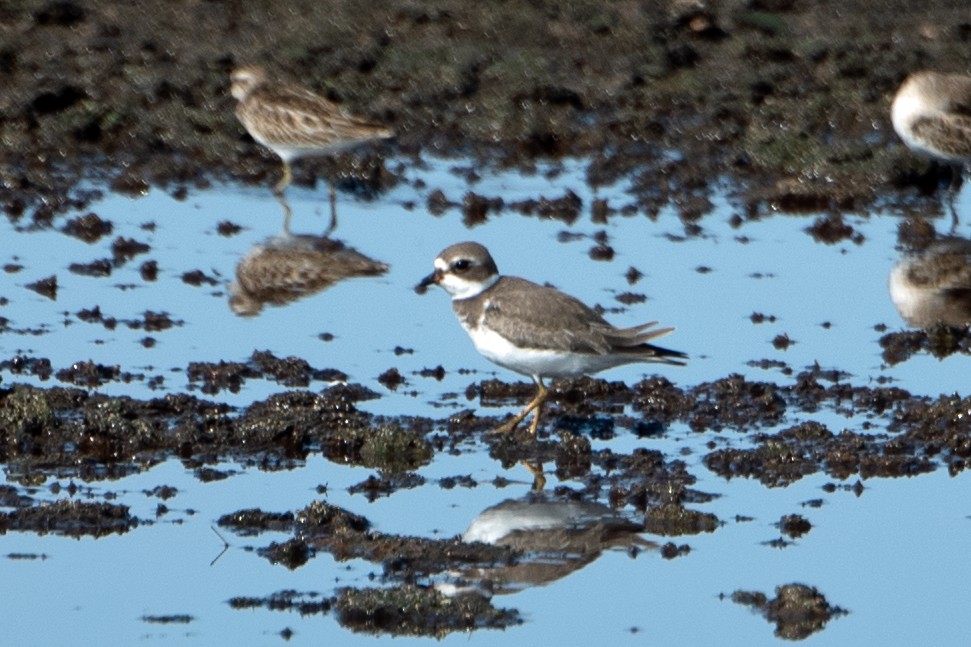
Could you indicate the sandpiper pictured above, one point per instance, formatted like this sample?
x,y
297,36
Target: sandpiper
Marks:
x,y
294,122
932,115
536,330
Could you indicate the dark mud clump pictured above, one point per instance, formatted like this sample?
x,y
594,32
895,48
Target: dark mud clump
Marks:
x,y
230,376
88,374
794,525
403,610
45,287
392,448
798,611
90,227
171,619
125,249
69,518
940,340
831,229
97,269
417,611
25,365
673,519
254,521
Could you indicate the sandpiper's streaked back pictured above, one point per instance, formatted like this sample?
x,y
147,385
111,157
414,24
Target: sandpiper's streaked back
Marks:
x,y
536,330
294,122
931,113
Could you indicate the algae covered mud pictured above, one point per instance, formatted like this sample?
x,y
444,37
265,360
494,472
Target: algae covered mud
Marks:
x,y
211,429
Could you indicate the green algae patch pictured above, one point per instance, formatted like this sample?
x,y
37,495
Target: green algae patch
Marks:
x,y
390,448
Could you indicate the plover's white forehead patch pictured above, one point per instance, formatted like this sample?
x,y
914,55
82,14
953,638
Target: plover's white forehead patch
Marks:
x,y
441,264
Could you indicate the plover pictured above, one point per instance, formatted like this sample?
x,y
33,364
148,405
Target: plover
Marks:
x,y
536,330
931,113
294,122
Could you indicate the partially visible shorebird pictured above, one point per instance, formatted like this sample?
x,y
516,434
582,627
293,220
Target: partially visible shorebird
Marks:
x,y
931,113
536,330
294,122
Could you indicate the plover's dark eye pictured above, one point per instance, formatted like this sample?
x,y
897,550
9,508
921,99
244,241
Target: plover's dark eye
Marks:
x,y
461,265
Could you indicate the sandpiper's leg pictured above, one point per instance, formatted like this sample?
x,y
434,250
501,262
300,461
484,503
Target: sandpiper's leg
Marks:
x,y
285,180
535,404
953,190
333,210
286,213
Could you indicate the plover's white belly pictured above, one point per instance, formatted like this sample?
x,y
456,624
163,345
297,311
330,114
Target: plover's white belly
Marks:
x,y
540,363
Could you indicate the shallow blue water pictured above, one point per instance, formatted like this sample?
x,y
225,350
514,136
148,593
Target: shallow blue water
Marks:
x,y
879,555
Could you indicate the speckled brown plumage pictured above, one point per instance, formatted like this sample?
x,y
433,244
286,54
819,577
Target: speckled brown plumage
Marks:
x,y
293,121
289,267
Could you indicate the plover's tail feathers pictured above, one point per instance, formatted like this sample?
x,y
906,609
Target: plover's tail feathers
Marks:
x,y
634,340
654,353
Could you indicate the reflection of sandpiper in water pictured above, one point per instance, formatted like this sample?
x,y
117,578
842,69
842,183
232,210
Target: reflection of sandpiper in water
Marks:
x,y
294,122
289,266
934,286
931,113
557,536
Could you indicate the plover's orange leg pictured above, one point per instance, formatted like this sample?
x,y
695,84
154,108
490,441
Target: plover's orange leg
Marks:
x,y
539,479
535,404
536,415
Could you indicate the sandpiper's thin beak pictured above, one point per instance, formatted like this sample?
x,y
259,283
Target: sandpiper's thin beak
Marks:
x,y
431,279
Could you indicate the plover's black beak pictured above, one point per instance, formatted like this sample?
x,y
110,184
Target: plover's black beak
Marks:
x,y
431,279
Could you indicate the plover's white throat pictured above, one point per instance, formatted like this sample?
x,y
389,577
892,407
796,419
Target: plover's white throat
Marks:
x,y
931,113
294,122
536,330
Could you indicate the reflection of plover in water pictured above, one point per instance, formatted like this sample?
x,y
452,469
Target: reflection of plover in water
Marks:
x,y
932,114
536,330
288,267
556,536
294,122
934,286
